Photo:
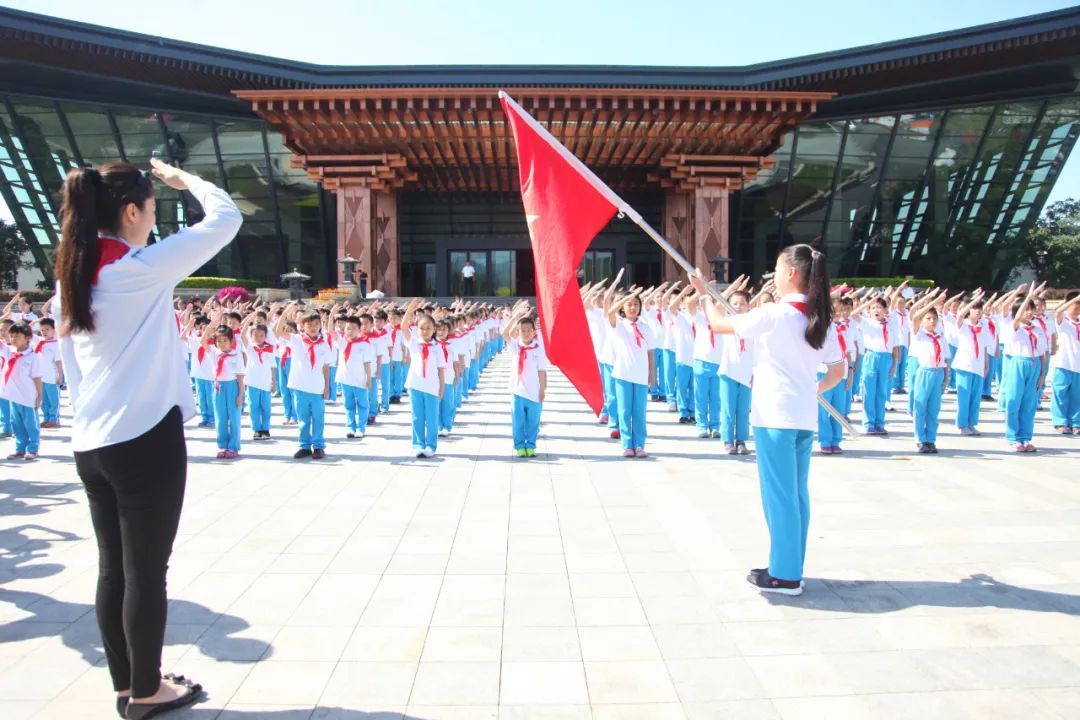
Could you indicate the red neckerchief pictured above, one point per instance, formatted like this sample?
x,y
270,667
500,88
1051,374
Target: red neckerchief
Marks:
x,y
659,318
1042,324
350,343
975,338
993,327
903,318
311,346
425,350
329,340
393,334
260,349
377,333
201,354
523,351
937,348
841,328
800,306
742,345
109,251
1033,339
1076,326
445,348
42,343
885,333
221,364
638,337
10,367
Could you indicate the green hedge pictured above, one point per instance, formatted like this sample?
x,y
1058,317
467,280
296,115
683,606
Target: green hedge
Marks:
x,y
882,282
216,283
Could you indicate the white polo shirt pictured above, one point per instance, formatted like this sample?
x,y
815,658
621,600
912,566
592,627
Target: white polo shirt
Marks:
x,y
305,375
525,371
972,345
630,351
353,371
201,369
49,352
708,346
737,359
127,375
380,340
397,344
226,365
448,348
1023,341
785,373
1068,354
260,365
424,374
922,349
24,367
878,335
684,338
901,320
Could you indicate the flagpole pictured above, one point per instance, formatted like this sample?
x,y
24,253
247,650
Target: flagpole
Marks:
x,y
625,209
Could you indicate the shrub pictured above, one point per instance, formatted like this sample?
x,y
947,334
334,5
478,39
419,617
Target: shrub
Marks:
x,y
216,283
882,282
233,292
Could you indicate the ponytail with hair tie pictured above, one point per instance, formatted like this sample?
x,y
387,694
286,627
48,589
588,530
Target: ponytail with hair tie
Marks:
x,y
812,267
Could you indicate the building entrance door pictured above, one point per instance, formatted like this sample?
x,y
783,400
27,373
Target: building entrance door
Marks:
x,y
499,273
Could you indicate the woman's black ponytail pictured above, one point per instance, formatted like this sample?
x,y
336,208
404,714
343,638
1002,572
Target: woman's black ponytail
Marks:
x,y
812,269
92,201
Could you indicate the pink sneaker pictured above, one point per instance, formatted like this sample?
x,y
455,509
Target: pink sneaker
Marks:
x,y
628,452
603,419
640,452
230,454
222,454
1028,447
1019,447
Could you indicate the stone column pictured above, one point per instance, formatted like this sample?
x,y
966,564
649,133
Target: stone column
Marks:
x,y
710,226
354,215
386,244
678,229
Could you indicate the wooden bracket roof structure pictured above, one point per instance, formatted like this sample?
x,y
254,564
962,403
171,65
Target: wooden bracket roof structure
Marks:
x,y
457,139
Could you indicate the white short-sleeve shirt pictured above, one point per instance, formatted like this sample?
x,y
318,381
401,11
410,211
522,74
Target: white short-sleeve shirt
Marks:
x,y
737,359
448,348
1023,341
424,372
49,352
972,345
25,367
1068,354
354,359
202,364
227,365
785,373
630,351
305,375
923,349
525,370
878,335
260,365
708,346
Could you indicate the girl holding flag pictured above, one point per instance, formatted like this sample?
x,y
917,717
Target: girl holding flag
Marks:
x,y
792,338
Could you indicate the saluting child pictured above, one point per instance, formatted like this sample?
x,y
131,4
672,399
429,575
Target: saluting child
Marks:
x,y
902,323
397,357
20,385
528,381
228,389
202,371
633,370
930,346
970,363
1065,403
426,381
736,373
879,362
684,312
356,363
447,344
52,373
260,378
5,405
847,335
1025,348
283,351
381,340
708,350
309,379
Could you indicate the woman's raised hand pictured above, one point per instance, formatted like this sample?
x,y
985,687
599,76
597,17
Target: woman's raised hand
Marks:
x,y
172,176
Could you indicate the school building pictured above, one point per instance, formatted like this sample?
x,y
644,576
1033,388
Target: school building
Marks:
x,y
894,158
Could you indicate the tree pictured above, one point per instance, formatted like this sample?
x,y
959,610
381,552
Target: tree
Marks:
x,y
1052,248
14,254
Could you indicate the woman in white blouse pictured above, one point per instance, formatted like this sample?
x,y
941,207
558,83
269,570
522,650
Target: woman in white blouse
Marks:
x,y
120,345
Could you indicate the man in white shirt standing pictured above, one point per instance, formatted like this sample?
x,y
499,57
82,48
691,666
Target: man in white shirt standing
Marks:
x,y
468,275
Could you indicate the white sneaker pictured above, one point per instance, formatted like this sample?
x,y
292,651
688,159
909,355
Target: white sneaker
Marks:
x,y
359,435
672,407
444,433
429,453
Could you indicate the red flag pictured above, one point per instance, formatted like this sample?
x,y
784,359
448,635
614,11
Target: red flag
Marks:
x,y
565,206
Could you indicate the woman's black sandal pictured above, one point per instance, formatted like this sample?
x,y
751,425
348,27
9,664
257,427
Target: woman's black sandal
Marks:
x,y
121,706
142,711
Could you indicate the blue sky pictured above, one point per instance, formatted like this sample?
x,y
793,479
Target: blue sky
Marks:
x,y
626,32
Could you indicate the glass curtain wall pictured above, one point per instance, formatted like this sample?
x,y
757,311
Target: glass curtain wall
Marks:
x,y
284,223
908,194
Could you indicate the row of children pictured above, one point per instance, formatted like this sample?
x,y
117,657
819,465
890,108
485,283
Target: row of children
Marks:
x,y
369,355
31,376
658,343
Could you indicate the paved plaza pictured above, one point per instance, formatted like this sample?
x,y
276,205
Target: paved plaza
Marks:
x,y
571,586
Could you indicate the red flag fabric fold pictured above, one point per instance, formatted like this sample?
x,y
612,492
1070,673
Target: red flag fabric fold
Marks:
x,y
564,211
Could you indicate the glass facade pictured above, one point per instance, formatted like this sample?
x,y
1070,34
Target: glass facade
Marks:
x,y
910,193
285,214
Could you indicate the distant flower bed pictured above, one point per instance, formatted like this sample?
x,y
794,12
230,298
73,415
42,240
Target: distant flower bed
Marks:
x,y
217,283
233,293
882,282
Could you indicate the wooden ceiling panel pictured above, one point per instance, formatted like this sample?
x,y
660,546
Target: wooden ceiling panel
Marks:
x,y
450,139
